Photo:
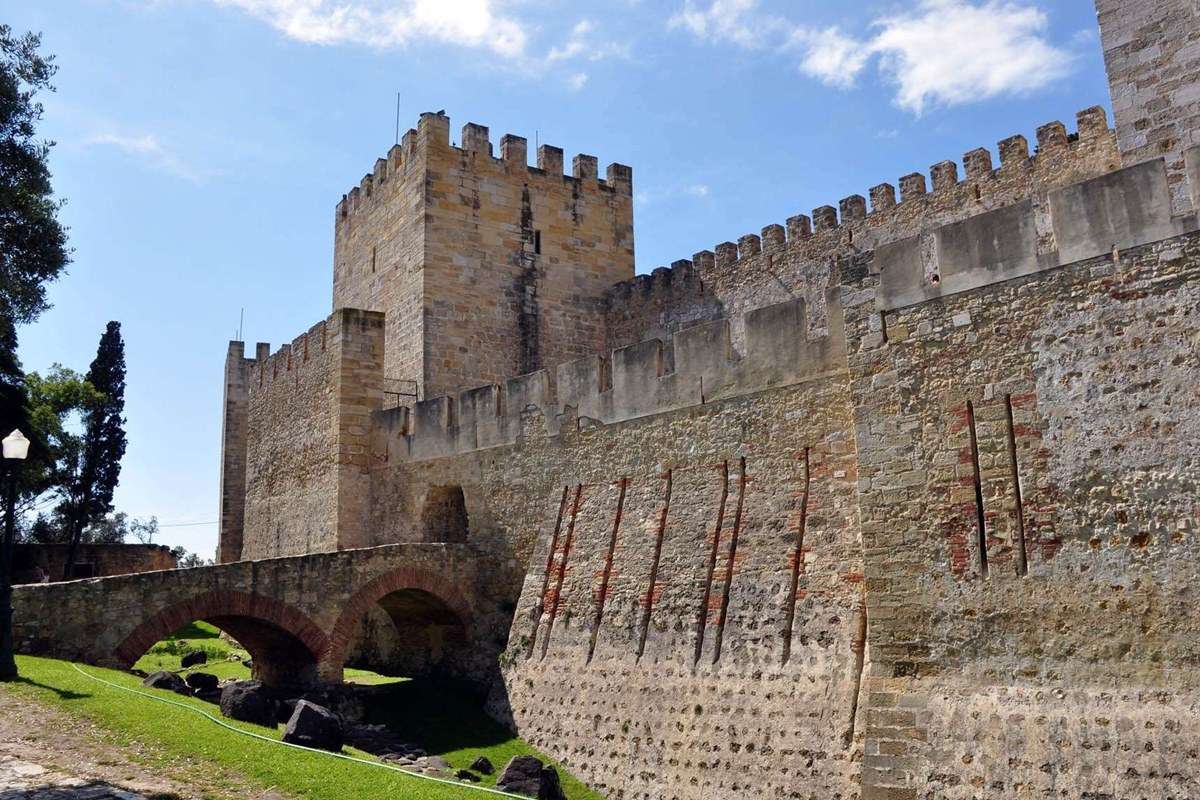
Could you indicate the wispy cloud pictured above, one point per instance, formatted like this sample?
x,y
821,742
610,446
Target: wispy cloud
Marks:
x,y
150,151
939,52
697,191
387,23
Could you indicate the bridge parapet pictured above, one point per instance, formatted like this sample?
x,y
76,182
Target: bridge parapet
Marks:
x,y
295,615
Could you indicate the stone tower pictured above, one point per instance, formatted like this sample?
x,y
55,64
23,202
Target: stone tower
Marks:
x,y
1152,54
484,267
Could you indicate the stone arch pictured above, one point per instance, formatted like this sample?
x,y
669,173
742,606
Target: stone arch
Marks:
x,y
416,583
285,644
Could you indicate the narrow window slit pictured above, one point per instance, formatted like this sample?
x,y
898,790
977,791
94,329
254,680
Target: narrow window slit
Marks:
x,y
733,543
702,616
980,528
1022,553
797,564
658,544
562,568
608,561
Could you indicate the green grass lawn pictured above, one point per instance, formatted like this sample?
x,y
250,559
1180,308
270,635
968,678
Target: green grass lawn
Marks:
x,y
443,722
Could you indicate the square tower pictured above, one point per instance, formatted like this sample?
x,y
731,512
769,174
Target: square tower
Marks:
x,y
1152,54
484,267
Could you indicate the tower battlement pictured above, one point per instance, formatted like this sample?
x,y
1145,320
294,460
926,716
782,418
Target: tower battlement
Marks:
x,y
475,142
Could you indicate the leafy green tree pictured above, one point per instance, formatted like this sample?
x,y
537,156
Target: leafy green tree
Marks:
x,y
52,404
95,468
33,244
186,560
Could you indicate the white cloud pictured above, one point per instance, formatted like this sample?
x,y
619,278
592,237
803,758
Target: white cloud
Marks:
x,y
950,52
698,190
577,81
149,150
388,23
725,20
939,52
831,56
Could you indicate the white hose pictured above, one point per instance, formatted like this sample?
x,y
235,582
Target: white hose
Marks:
x,y
343,756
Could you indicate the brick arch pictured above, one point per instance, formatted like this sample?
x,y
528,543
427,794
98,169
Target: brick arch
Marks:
x,y
400,579
218,605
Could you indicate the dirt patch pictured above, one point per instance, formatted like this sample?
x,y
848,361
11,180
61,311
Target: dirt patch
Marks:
x,y
47,753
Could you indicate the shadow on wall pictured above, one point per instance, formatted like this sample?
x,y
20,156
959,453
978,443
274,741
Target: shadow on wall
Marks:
x,y
444,515
410,633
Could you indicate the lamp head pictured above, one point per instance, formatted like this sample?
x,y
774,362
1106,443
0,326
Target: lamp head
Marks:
x,y
16,446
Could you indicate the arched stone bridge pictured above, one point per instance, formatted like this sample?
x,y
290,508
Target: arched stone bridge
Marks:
x,y
296,616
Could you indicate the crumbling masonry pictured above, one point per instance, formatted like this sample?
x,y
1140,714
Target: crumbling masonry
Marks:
x,y
897,500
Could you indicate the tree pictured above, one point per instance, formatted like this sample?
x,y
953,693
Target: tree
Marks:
x,y
33,247
33,244
186,560
96,467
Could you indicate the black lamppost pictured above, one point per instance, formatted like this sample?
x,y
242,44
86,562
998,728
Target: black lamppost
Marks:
x,y
15,449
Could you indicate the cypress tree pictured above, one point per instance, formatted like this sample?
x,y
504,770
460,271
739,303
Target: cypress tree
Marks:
x,y
98,467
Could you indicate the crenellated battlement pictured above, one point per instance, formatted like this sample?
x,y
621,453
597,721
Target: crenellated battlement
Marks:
x,y
921,201
290,358
634,382
475,147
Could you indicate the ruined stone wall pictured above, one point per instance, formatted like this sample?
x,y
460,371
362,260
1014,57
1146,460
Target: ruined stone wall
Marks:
x,y
34,563
1028,488
308,432
485,267
1152,54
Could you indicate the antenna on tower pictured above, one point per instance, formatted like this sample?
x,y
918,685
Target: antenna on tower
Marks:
x,y
397,141
536,143
241,319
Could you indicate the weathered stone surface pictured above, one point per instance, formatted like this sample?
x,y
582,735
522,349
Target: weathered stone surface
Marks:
x,y
312,725
483,765
166,680
249,701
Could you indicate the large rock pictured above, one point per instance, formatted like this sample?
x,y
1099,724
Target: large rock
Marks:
x,y
202,681
550,788
193,659
249,701
166,680
312,725
526,775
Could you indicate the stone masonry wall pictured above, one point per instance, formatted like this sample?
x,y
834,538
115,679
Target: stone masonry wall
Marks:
x,y
1152,53
307,446
1028,481
485,267
800,259
676,537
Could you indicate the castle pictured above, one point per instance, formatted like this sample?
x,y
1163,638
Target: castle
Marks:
x,y
896,500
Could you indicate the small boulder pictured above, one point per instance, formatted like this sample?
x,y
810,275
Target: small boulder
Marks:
x,y
166,680
202,682
522,775
483,766
248,701
312,725
550,787
467,775
193,659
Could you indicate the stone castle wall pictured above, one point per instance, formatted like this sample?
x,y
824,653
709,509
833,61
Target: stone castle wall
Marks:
x,y
308,429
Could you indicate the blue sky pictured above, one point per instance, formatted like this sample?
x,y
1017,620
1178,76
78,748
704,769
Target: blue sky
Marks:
x,y
203,144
